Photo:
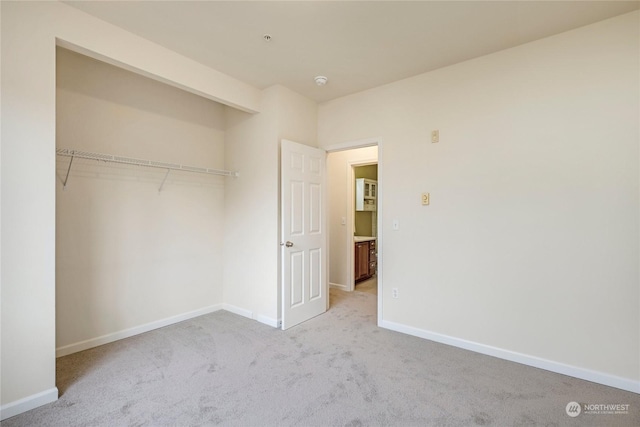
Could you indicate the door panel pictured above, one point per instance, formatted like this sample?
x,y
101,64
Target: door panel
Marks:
x,y
297,274
315,209
315,274
297,208
304,237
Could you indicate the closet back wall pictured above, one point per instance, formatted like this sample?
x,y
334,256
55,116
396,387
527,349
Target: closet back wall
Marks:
x,y
128,255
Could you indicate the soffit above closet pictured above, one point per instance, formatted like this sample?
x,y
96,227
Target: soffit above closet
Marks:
x,y
357,45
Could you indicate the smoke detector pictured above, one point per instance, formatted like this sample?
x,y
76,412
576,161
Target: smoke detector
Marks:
x,y
321,80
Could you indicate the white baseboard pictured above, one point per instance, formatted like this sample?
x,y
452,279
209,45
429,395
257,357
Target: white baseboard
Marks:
x,y
237,310
275,323
115,336
537,362
269,321
28,403
338,286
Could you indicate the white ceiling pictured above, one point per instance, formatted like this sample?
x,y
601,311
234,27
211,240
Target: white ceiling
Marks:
x,y
357,44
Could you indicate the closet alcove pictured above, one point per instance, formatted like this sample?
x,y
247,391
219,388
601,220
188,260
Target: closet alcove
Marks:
x,y
127,254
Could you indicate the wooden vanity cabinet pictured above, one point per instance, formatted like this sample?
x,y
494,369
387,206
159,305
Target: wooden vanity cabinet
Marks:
x,y
365,260
373,258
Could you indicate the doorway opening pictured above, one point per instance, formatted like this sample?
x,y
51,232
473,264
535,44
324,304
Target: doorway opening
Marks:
x,y
354,219
365,228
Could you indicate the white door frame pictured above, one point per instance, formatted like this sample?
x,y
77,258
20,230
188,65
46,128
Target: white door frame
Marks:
x,y
361,143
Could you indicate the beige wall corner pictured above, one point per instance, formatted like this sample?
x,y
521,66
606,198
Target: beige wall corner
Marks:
x,y
252,205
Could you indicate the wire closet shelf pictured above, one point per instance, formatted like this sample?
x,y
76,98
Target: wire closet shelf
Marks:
x,y
137,162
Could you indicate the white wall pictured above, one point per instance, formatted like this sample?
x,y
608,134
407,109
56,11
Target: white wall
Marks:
x,y
251,283
29,34
340,240
529,248
28,205
251,211
127,255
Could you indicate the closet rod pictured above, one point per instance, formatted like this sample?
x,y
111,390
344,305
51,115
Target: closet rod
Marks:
x,y
139,162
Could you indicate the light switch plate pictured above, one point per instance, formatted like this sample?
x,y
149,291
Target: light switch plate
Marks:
x,y
435,136
425,199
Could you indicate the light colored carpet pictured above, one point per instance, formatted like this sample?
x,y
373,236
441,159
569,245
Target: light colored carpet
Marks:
x,y
337,369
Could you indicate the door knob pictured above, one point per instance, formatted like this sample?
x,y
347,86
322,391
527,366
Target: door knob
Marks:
x,y
288,244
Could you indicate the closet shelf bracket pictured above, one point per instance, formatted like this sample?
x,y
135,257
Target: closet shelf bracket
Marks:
x,y
164,180
66,178
138,162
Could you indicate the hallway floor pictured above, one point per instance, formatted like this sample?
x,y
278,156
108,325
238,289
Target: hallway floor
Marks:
x,y
370,286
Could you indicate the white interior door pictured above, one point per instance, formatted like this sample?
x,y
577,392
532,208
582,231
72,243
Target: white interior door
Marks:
x,y
304,233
